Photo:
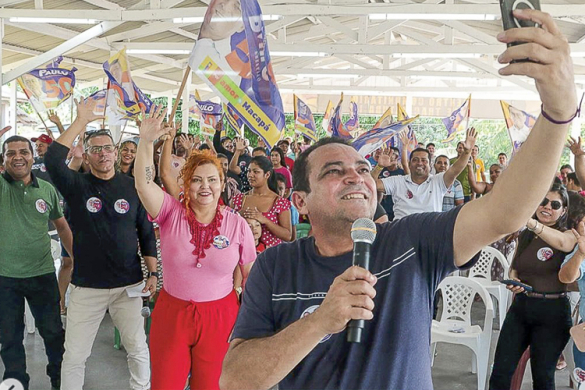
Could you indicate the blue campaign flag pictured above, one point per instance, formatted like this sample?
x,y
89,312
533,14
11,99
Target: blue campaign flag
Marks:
x,y
337,128
231,55
374,139
457,121
304,121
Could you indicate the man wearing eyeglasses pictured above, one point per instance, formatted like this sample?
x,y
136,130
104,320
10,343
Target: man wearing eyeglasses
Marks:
x,y
108,221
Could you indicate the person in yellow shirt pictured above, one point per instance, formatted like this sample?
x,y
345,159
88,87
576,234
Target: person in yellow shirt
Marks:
x,y
479,165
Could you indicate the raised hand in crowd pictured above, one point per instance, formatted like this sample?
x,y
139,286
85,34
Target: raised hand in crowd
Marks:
x,y
576,148
151,127
85,115
470,137
77,153
187,143
53,117
240,146
5,130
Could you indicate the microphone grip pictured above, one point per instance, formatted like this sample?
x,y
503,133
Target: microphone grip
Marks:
x,y
361,258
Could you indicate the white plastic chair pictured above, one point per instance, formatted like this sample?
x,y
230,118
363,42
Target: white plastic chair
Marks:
x,y
458,294
29,319
481,272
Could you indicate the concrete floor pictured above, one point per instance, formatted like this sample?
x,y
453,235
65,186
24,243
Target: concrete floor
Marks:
x,y
107,368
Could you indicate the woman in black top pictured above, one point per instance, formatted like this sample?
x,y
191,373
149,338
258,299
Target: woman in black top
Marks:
x,y
540,319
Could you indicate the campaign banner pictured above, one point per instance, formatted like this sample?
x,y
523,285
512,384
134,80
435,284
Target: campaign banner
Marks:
x,y
124,99
336,126
48,87
395,140
368,142
519,124
457,122
231,55
353,123
327,117
385,120
100,97
193,108
234,120
304,121
210,114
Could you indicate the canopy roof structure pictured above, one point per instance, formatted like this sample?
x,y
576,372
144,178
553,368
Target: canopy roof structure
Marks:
x,y
425,48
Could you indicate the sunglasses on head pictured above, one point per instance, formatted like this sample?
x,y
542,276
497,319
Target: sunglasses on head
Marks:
x,y
95,133
554,204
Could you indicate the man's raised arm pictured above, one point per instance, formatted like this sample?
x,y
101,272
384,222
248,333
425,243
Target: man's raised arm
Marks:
x,y
459,165
522,186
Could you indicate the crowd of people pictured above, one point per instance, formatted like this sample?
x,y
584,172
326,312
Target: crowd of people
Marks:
x,y
244,303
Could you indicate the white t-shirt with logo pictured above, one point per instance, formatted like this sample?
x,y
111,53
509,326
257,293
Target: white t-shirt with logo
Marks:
x,y
410,198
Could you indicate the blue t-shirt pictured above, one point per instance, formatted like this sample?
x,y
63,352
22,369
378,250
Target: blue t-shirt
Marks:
x,y
410,257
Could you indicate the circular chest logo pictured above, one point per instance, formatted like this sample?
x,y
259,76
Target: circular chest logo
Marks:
x,y
221,242
386,174
544,254
122,206
93,205
175,164
41,206
310,310
242,164
43,168
409,194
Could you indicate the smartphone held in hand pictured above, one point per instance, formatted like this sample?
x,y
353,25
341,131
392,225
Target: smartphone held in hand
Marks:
x,y
510,21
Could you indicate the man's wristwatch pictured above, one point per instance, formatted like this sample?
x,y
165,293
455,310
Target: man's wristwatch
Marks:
x,y
155,274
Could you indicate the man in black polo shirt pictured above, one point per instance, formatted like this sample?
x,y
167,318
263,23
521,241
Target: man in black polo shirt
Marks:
x,y
27,269
108,222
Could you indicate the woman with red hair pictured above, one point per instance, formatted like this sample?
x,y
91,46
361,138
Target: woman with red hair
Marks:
x,y
201,245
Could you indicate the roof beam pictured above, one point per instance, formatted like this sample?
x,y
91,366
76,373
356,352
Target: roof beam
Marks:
x,y
490,69
57,51
347,31
315,10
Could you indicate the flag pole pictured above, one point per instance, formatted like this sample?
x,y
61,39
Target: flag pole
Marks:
x,y
181,88
106,104
122,134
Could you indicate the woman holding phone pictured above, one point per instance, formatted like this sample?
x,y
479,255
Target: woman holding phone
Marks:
x,y
539,319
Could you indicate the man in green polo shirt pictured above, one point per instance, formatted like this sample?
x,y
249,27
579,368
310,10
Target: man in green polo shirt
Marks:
x,y
26,264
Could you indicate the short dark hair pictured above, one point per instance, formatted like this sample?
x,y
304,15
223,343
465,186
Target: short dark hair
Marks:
x,y
503,154
223,139
280,178
301,169
16,138
283,141
476,146
221,155
420,150
394,148
97,133
259,149
431,144
573,176
567,166
204,147
443,156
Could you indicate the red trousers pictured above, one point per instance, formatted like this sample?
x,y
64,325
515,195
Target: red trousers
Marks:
x,y
190,337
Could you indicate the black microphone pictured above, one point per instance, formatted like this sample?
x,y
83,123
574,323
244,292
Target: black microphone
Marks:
x,y
145,311
363,234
